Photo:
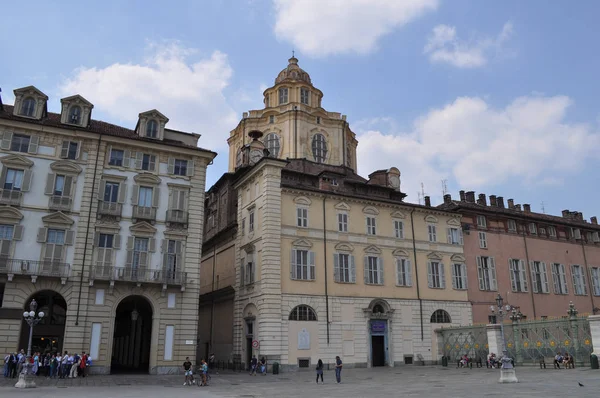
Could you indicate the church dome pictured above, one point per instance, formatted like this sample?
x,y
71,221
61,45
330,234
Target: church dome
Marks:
x,y
293,73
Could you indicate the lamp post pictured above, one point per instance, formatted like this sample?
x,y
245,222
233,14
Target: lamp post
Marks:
x,y
507,372
32,318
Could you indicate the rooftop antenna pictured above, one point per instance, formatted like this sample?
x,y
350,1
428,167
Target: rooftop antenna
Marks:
x,y
543,207
444,187
421,194
293,54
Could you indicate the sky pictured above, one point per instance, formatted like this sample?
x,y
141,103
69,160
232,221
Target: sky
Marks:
x,y
494,97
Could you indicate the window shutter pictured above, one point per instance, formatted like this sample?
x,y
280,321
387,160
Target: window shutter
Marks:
x,y
5,252
69,237
429,274
96,238
116,241
68,189
64,150
534,283
511,271
464,276
79,144
42,235
242,272
563,279
165,260
190,168
523,272
50,184
454,276
380,270
449,231
480,273
493,281
138,159
100,188
171,166
33,144
366,270
135,194
151,245
292,264
460,237
122,193
408,271
129,261
544,279
152,163
164,245
311,265
126,158
442,276
6,140
17,232
27,175
352,270
399,271
155,196
574,279
3,175
336,267
583,279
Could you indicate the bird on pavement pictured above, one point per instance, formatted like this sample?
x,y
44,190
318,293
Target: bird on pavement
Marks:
x,y
580,385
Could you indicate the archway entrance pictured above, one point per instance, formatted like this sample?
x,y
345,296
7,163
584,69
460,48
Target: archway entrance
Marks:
x,y
48,335
132,336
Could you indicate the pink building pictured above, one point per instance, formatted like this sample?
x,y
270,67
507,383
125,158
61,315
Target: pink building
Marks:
x,y
537,262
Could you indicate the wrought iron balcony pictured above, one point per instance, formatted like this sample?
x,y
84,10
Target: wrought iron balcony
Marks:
x,y
144,213
109,208
45,268
10,197
177,216
138,275
60,203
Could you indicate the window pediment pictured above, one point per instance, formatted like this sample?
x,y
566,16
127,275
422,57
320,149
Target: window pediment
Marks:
x,y
151,122
344,247
58,218
372,250
30,102
434,256
143,228
342,206
458,258
147,178
431,219
176,233
400,253
302,200
10,214
249,248
16,161
303,243
65,166
76,117
398,214
454,222
370,210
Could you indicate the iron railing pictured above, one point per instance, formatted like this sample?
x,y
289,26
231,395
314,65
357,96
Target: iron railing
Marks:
x,y
109,208
10,197
59,203
48,268
144,213
177,216
140,275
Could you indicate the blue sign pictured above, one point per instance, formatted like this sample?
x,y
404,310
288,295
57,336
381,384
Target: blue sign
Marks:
x,y
378,326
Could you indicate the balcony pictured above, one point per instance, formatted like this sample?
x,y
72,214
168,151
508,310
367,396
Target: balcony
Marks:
x,y
34,269
144,213
111,209
60,203
138,276
177,216
10,197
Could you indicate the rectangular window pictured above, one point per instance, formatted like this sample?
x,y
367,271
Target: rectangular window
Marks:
x,y
267,102
481,222
6,236
373,271
518,275
6,232
140,252
595,275
95,340
532,228
249,271
283,96
552,232
116,157
539,277
173,258
574,233
482,240
371,226
344,269
145,197
491,319
398,229
14,179
20,143
55,241
169,340
111,192
431,231
343,222
486,270
148,162
243,226
251,222
271,119
318,119
104,256
106,241
459,276
512,226
455,236
403,272
69,150
302,217
59,185
559,276
180,167
303,265
304,93
436,277
579,282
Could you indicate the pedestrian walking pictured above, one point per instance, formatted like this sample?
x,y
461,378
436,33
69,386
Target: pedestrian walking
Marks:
x,y
253,365
204,370
338,369
6,364
53,366
320,371
187,369
82,364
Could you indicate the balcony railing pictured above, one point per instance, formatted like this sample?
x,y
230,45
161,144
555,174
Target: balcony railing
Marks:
x,y
138,275
10,197
177,216
47,268
60,203
144,213
109,208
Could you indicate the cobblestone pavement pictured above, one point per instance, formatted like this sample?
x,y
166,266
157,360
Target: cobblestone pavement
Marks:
x,y
388,382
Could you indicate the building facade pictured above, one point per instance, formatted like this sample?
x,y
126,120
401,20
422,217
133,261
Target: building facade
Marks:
x,y
537,262
102,226
327,262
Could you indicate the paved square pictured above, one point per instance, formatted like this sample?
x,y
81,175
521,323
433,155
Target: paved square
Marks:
x,y
387,382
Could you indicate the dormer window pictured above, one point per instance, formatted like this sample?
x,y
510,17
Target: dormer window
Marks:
x,y
152,129
28,107
75,115
76,111
151,124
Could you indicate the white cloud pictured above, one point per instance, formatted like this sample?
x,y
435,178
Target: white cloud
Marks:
x,y
190,94
319,28
476,145
444,46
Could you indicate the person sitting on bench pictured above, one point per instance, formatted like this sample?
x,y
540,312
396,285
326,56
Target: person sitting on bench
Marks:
x,y
464,361
558,359
492,360
568,361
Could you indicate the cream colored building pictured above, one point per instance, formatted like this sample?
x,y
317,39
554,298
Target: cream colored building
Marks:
x,y
98,225
327,262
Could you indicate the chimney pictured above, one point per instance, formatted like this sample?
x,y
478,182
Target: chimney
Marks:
x,y
482,200
493,201
594,220
518,207
447,198
511,203
566,214
470,196
462,196
580,216
527,208
427,201
500,202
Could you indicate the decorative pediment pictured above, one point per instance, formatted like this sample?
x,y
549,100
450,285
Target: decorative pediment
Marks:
x,y
302,243
344,247
154,114
434,256
16,161
454,222
342,206
400,253
372,250
176,233
146,178
58,218
142,227
65,166
77,99
459,258
431,219
370,210
30,90
398,214
10,215
302,200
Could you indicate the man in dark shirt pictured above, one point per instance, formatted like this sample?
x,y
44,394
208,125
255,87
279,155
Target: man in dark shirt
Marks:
x,y
338,369
253,365
187,368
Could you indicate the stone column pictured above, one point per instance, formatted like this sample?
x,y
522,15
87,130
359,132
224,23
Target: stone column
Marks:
x,y
494,335
595,332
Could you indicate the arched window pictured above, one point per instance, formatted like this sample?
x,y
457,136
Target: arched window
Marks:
x,y
378,309
319,148
75,115
272,144
151,129
440,316
303,313
28,107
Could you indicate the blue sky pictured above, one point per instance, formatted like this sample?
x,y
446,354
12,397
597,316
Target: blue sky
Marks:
x,y
495,97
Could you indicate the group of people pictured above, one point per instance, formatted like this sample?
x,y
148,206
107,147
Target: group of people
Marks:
x,y
338,370
204,368
256,366
566,360
50,365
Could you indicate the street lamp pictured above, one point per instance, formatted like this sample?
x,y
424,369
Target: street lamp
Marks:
x,y
507,371
32,319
